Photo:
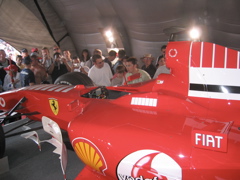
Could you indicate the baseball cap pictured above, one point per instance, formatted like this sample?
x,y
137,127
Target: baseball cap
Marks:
x,y
24,50
11,67
34,50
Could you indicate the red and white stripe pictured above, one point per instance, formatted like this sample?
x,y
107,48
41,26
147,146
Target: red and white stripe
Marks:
x,y
213,64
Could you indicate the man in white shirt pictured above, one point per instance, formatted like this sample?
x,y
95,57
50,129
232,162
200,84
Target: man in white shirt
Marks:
x,y
89,63
100,73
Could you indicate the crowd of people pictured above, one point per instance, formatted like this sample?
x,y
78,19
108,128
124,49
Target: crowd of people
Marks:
x,y
33,67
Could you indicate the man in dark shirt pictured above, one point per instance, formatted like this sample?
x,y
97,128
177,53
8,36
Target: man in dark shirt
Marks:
x,y
58,67
163,51
111,56
26,75
121,54
148,66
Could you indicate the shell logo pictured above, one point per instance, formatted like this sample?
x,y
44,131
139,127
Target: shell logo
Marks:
x,y
90,154
148,165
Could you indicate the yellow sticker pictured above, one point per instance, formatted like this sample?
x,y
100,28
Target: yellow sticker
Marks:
x,y
54,105
89,153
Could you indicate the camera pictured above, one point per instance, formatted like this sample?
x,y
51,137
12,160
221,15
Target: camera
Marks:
x,y
76,65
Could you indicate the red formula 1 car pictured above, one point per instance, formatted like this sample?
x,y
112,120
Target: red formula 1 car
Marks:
x,y
183,125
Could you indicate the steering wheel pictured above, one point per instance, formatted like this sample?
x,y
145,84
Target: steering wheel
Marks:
x,y
100,92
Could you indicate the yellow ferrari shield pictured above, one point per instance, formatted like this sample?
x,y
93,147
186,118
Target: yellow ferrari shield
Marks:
x,y
54,105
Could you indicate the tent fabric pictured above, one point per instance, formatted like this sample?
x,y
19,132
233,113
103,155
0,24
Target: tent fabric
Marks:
x,y
20,28
140,24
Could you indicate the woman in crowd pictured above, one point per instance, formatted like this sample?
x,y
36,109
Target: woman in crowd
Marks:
x,y
85,56
162,68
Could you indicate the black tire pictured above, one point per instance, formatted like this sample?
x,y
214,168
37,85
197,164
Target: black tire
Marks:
x,y
2,142
74,78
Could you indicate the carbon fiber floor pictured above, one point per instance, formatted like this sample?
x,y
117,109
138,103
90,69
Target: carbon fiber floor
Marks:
x,y
26,162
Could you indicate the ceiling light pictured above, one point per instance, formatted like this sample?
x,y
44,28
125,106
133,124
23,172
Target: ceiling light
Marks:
x,y
195,33
109,33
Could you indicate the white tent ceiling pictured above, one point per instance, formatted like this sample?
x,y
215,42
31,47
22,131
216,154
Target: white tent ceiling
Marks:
x,y
77,24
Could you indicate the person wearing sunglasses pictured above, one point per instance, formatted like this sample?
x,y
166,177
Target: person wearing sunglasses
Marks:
x,y
56,49
58,67
101,72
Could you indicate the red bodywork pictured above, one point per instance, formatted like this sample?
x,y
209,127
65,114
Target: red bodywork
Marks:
x,y
183,125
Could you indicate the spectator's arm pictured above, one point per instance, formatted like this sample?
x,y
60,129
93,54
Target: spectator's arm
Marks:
x,y
50,69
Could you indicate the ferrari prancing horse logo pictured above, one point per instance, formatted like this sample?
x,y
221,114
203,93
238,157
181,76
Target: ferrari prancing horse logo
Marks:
x,y
54,105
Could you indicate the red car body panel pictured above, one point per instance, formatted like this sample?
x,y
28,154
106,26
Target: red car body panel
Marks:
x,y
183,125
